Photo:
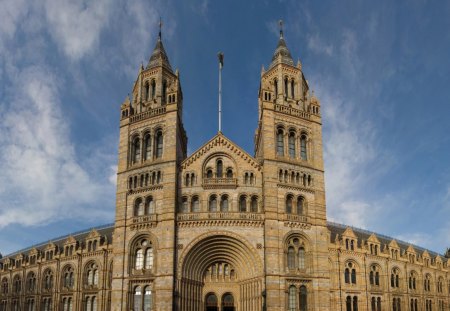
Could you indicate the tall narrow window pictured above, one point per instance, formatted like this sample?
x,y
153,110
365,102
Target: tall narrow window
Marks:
x,y
94,303
164,92
292,298
289,205
139,262
275,83
147,147
184,205
219,169
347,276
353,276
224,204
147,91
292,89
291,257
348,303
303,298
147,299
138,207
303,149
153,88
292,145
254,205
159,144
149,258
280,142
136,150
195,205
213,204
355,303
300,208
286,87
243,204
149,206
301,258
137,298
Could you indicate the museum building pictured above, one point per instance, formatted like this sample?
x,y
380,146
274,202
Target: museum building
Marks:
x,y
220,229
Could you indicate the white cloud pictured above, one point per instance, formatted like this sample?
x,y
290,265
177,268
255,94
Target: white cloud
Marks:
x,y
316,44
76,25
42,179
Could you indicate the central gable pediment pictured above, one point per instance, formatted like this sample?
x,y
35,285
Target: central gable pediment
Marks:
x,y
217,144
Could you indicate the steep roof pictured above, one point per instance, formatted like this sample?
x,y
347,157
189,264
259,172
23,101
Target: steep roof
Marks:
x,y
159,56
282,54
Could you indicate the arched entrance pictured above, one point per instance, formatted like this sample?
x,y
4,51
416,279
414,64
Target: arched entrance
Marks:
x,y
222,264
211,303
227,302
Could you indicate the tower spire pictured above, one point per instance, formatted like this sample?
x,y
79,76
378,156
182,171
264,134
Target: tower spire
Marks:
x,y
159,56
280,23
160,28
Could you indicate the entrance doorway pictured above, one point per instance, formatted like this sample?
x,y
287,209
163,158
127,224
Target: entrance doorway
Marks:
x,y
211,302
227,302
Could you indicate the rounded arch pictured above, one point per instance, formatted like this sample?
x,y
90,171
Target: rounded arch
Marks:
x,y
219,156
219,246
142,252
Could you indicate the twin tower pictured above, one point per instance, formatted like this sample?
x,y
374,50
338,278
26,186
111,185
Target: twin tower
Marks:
x,y
220,229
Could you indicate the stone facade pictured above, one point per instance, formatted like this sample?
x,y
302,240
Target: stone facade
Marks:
x,y
222,229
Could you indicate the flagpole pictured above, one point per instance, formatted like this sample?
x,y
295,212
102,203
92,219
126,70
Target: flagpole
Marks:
x,y
220,55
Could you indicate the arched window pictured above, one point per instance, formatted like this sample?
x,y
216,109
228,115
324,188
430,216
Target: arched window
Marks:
x,y
138,207
219,171
164,91
195,205
229,173
159,144
209,173
286,89
275,84
355,303
92,274
353,276
147,91
224,204
254,205
31,282
300,206
149,258
137,297
280,142
374,276
68,277
139,259
243,204
149,206
303,149
211,301
5,286
291,257
147,147
347,275
303,298
147,298
292,144
292,298
292,89
350,273
289,204
213,203
153,88
184,205
47,281
136,150
301,258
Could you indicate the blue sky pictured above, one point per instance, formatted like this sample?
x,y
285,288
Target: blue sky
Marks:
x,y
380,69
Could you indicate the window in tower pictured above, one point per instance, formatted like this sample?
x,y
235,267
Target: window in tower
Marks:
x,y
224,204
292,144
286,87
292,89
280,142
254,204
219,171
138,207
164,91
275,83
301,258
292,298
300,206
136,150
149,206
303,149
147,147
184,205
147,91
153,88
139,263
137,298
213,203
195,204
289,204
243,203
159,144
303,298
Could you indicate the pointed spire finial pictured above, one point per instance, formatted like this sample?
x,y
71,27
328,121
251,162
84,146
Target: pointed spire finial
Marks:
x,y
160,27
280,23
